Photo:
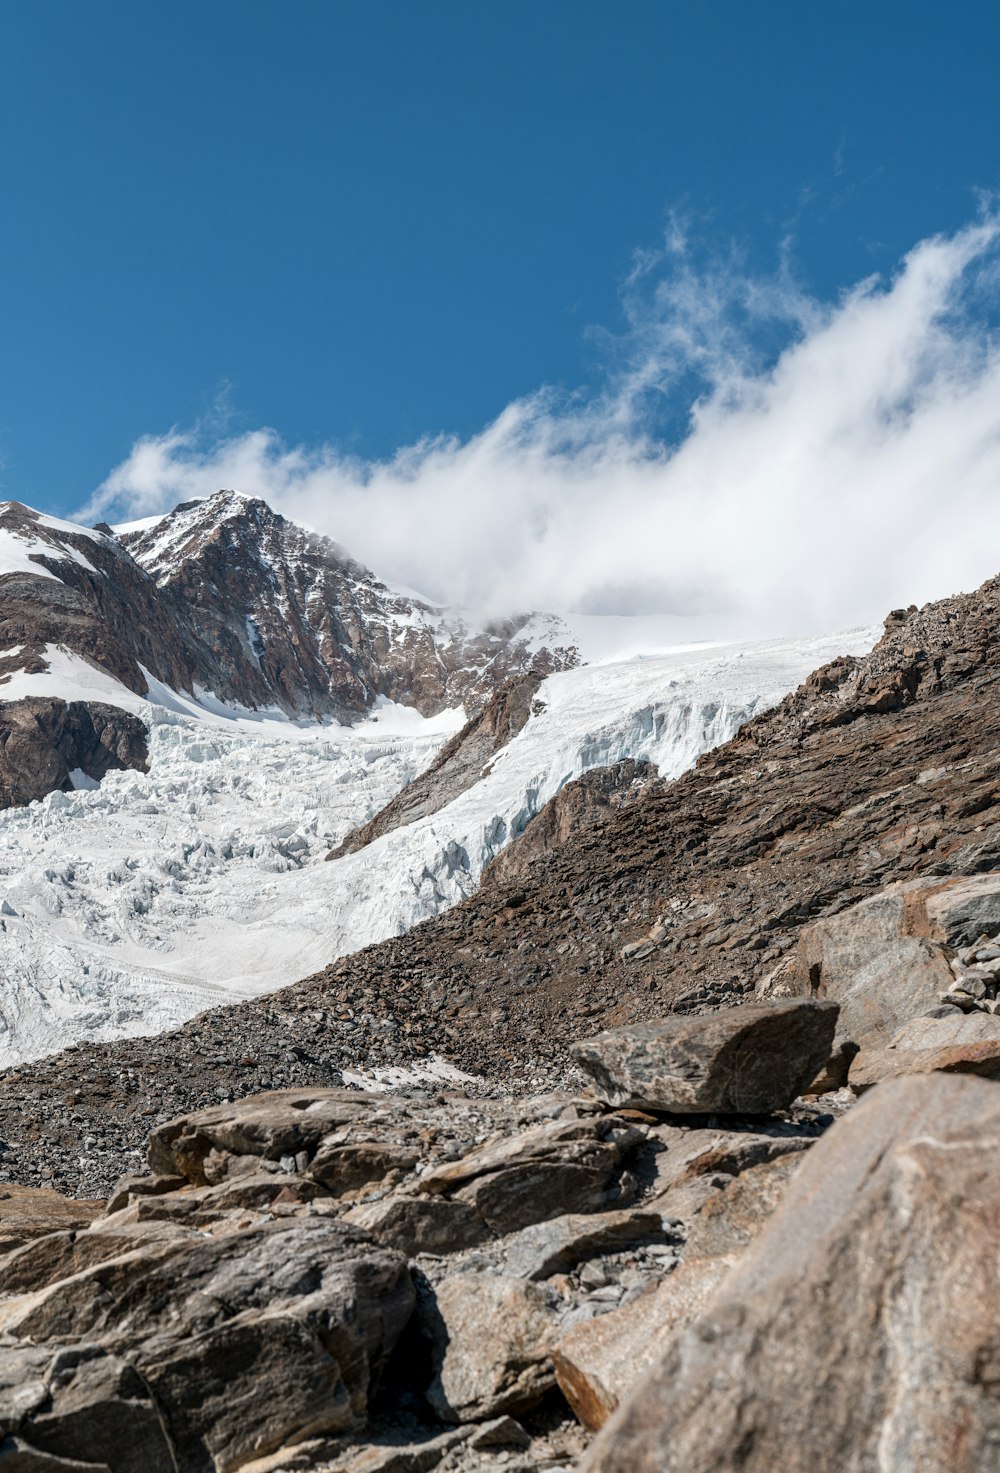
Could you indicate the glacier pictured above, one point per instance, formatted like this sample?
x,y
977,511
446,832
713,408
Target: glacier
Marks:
x,y
127,908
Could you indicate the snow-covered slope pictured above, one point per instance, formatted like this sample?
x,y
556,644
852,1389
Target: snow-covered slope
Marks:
x,y
128,908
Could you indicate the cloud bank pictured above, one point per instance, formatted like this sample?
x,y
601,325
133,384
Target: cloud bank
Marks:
x,y
832,459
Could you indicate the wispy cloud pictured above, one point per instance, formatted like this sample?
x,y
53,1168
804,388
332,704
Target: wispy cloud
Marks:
x,y
832,460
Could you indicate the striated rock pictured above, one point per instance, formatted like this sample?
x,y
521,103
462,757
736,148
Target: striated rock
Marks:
x,y
887,960
235,1344
956,1044
732,1218
492,1336
876,1275
600,1361
560,1165
33,1212
683,1153
69,1409
416,1224
749,1060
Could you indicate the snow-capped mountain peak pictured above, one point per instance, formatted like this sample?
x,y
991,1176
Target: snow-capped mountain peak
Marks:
x,y
228,600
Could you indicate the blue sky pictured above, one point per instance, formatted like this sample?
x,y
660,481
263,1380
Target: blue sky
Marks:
x,y
363,223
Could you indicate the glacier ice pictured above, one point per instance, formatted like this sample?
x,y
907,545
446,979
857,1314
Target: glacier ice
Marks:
x,y
128,908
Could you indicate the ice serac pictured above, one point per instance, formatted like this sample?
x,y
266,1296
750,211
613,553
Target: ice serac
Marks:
x,y
133,906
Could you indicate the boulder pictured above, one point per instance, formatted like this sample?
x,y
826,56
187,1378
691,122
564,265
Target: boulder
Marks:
x,y
888,959
683,1153
748,1060
956,1044
597,1363
557,1166
552,1247
858,1331
492,1336
732,1218
32,1212
228,1345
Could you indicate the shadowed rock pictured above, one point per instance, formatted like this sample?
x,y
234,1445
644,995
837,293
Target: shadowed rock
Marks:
x,y
749,1060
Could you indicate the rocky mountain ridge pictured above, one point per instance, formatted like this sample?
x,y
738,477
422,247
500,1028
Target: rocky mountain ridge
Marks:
x,y
226,598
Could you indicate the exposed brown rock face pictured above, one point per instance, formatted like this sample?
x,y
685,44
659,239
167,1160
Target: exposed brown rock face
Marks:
x,y
457,766
43,741
228,597
293,620
859,1330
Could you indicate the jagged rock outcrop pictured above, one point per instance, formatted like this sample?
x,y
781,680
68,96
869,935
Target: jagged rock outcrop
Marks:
x,y
299,622
457,766
793,1292
46,746
579,807
858,1330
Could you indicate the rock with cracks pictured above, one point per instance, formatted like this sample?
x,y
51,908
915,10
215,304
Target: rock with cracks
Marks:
x,y
859,1330
748,1060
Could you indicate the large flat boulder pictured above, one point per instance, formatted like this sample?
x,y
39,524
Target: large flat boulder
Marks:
x,y
859,1330
750,1060
959,1043
32,1212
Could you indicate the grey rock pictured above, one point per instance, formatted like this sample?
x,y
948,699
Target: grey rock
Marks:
x,y
886,960
560,1243
749,1060
492,1337
859,1329
246,1340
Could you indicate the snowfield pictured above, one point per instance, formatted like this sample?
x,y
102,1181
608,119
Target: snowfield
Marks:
x,y
129,907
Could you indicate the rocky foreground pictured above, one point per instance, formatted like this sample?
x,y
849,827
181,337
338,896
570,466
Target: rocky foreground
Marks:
x,y
685,1258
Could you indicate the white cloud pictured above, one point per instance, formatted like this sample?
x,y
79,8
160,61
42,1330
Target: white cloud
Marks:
x,y
853,467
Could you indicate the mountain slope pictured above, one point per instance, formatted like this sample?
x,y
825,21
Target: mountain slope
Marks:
x,y
875,769
133,905
221,601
